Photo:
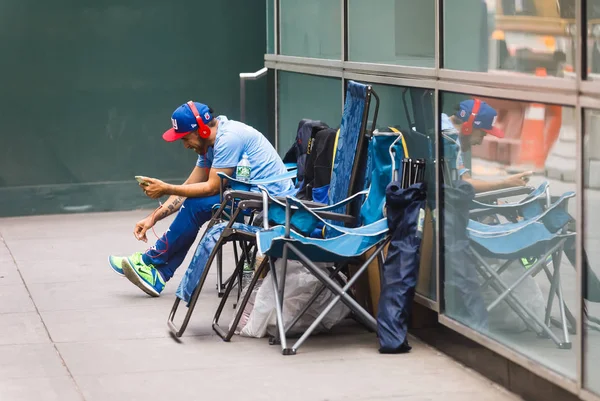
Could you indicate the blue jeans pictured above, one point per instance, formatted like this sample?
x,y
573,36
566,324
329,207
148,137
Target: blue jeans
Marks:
x,y
172,247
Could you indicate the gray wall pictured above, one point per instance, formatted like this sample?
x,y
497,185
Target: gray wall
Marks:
x,y
88,87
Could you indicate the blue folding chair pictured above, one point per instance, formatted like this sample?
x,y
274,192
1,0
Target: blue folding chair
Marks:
x,y
350,156
341,244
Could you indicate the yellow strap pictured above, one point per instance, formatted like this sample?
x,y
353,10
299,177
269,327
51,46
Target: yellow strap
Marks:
x,y
403,141
337,136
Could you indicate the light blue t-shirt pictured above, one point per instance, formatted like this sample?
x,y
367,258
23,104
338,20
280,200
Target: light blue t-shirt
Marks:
x,y
452,151
233,140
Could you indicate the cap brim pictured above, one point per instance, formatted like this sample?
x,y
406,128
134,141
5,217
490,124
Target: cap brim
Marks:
x,y
495,131
172,136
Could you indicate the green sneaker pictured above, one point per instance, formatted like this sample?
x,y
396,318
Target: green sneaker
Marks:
x,y
115,263
146,277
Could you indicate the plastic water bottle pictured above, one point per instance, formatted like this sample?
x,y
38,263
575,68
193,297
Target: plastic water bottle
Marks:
x,y
243,170
247,274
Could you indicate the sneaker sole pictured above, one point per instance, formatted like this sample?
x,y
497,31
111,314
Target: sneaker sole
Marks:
x,y
135,279
115,270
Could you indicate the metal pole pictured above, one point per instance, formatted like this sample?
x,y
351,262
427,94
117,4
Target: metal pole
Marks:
x,y
242,99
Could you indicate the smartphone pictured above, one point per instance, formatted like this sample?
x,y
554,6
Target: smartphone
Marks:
x,y
141,180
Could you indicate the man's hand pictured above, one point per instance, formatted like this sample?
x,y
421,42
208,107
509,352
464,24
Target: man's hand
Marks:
x,y
518,180
141,227
154,187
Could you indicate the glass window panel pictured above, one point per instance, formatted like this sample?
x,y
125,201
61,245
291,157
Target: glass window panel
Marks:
x,y
591,246
306,96
410,110
311,28
536,37
392,32
538,139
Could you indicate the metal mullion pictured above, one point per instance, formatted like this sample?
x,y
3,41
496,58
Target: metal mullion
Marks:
x,y
276,71
275,26
278,26
511,354
581,71
311,70
318,62
511,94
590,87
439,274
579,227
439,36
389,69
396,81
589,102
344,33
498,79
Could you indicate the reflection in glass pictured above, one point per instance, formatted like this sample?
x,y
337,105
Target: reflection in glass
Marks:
x,y
306,96
410,111
311,28
386,41
591,248
511,36
508,224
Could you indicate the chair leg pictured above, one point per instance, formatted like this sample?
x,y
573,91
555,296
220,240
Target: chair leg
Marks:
x,y
279,307
226,336
341,293
178,331
220,285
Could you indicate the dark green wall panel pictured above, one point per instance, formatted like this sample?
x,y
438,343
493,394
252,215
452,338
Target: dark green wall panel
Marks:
x,y
87,88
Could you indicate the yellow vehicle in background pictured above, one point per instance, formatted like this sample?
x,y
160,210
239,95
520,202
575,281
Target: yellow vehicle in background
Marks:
x,y
530,35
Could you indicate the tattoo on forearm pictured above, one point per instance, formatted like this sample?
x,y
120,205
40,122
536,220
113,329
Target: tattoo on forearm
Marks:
x,y
171,208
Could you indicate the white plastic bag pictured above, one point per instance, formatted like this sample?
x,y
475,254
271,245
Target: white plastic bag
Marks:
x,y
502,316
300,286
247,309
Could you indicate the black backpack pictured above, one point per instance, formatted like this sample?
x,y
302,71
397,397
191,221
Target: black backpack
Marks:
x,y
319,164
299,150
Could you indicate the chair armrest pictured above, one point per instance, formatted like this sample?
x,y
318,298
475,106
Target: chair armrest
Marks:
x,y
321,210
247,195
485,197
278,178
377,228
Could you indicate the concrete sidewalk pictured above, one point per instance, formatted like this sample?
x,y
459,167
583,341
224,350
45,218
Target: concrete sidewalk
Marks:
x,y
71,329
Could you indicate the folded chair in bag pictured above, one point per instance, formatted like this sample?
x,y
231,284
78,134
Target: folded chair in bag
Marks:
x,y
351,150
405,201
340,246
542,235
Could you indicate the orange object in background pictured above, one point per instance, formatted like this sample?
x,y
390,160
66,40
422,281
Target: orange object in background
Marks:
x,y
532,136
541,128
530,132
552,128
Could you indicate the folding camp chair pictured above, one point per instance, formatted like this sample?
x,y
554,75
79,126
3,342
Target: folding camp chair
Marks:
x,y
341,245
541,235
350,155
